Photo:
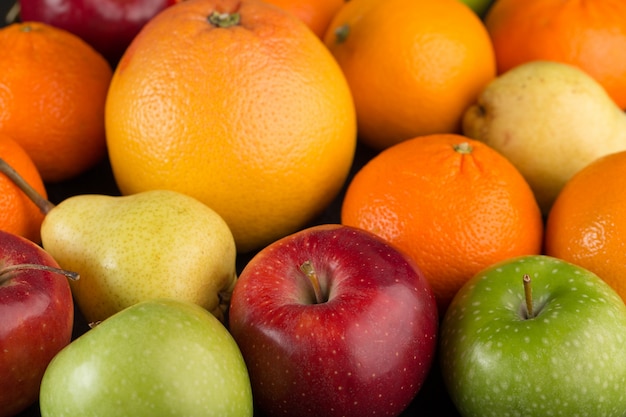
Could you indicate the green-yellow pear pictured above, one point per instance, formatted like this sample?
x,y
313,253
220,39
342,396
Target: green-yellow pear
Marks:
x,y
550,120
154,244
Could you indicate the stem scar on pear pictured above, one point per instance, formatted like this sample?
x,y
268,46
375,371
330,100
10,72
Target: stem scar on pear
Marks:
x,y
309,272
528,295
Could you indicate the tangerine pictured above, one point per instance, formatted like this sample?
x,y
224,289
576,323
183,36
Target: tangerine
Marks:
x,y
53,87
316,14
588,34
413,66
453,204
587,222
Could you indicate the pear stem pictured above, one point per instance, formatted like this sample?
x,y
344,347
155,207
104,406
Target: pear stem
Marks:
x,y
309,271
528,294
44,205
7,270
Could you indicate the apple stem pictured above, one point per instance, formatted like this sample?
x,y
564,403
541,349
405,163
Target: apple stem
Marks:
x,y
44,205
7,270
309,271
528,293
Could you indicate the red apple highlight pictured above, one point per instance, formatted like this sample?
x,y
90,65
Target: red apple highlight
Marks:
x,y
36,320
334,321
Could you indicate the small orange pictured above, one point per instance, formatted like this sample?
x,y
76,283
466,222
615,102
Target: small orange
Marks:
x,y
238,104
453,204
52,91
414,66
18,214
587,223
588,34
316,14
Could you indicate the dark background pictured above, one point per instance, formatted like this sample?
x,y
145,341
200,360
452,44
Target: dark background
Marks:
x,y
432,400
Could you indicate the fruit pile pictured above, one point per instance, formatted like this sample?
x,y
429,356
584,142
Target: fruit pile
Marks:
x,y
313,208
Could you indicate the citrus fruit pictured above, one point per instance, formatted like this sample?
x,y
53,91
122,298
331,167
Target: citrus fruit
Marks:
x,y
316,14
588,34
18,214
238,104
413,66
53,87
587,223
453,204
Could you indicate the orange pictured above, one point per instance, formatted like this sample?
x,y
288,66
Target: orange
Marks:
x,y
18,214
413,66
587,223
316,14
52,91
238,104
587,34
453,204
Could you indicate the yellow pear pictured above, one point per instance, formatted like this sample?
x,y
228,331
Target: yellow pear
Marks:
x,y
154,244
550,120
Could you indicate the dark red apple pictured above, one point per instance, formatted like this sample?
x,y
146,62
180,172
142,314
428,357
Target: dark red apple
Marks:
x,y
36,319
107,25
334,321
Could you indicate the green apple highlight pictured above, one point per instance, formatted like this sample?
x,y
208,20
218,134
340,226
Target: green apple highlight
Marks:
x,y
161,357
567,357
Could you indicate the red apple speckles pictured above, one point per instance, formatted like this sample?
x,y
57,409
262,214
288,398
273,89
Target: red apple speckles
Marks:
x,y
365,349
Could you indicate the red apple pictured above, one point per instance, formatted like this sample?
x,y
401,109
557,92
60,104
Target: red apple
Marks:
x,y
334,321
107,25
36,319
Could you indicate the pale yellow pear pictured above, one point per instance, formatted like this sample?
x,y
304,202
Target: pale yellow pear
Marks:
x,y
154,244
550,120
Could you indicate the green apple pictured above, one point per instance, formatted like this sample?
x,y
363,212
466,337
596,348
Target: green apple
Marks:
x,y
159,357
566,357
480,7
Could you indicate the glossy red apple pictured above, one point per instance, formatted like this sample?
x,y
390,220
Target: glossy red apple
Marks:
x,y
36,319
107,25
334,321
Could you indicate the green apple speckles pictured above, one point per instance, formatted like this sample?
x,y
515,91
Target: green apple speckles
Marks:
x,y
162,357
569,359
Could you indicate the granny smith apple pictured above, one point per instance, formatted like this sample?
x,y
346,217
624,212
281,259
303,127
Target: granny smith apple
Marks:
x,y
535,336
159,357
334,321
